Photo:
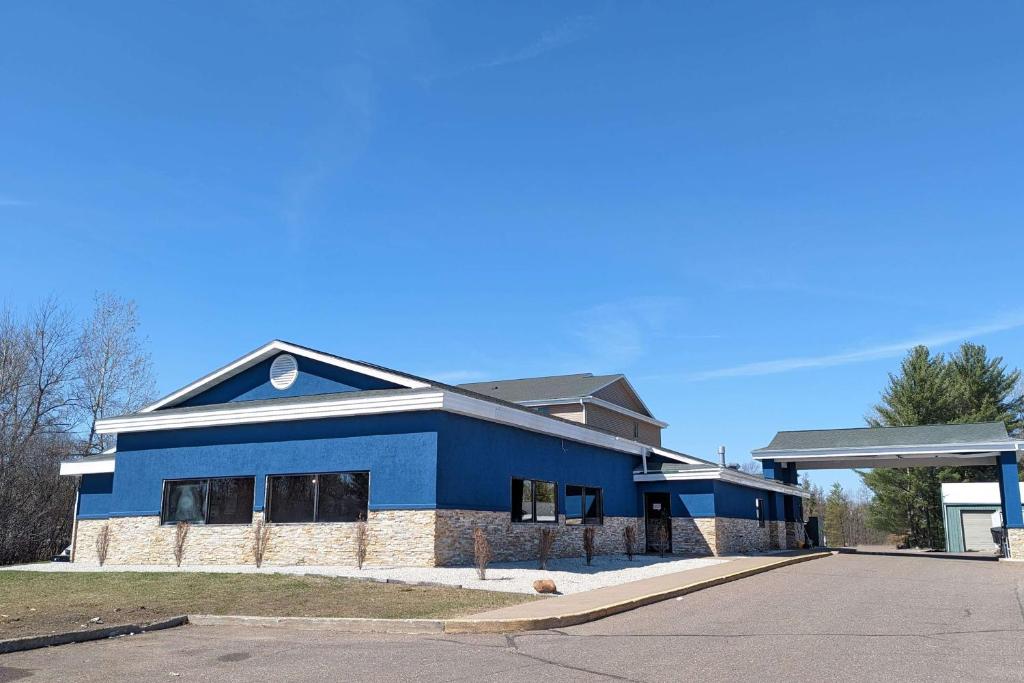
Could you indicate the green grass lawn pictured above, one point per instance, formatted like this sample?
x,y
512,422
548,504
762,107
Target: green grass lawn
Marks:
x,y
36,603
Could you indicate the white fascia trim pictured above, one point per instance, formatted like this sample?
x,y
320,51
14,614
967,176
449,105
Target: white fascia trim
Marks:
x,y
495,412
342,407
93,467
795,455
267,350
431,400
728,475
598,402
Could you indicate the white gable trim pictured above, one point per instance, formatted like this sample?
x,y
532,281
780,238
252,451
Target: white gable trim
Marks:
x,y
630,387
266,351
598,402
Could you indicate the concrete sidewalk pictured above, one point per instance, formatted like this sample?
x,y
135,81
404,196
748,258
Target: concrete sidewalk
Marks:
x,y
579,608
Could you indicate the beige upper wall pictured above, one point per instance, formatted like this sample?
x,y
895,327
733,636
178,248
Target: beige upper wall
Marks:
x,y
619,393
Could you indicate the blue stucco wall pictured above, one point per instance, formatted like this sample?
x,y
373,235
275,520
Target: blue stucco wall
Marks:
x,y
95,495
400,451
477,460
732,500
314,378
689,498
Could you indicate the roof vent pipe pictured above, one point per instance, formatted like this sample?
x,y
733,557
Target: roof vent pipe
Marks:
x,y
721,456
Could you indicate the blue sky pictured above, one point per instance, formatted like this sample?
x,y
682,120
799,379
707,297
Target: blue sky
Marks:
x,y
751,209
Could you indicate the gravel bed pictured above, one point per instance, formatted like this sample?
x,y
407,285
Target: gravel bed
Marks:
x,y
571,575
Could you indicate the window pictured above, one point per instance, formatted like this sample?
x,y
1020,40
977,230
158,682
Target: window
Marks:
x,y
534,501
583,505
225,500
331,497
636,430
759,512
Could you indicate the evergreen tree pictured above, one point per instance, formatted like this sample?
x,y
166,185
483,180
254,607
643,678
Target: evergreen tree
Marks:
x,y
968,387
836,512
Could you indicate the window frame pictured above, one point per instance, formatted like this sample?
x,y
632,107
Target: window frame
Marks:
x,y
582,519
268,499
206,500
533,500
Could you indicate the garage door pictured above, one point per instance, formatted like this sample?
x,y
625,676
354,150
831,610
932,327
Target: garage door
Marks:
x,y
977,526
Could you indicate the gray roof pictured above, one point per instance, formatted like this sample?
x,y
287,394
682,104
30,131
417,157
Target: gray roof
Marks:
x,y
542,388
866,437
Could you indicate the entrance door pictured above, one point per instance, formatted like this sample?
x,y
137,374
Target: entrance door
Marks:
x,y
977,530
658,521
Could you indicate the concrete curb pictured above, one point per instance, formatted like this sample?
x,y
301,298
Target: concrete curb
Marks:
x,y
471,625
345,624
34,642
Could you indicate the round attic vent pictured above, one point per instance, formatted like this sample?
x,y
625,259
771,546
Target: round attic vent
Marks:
x,y
283,371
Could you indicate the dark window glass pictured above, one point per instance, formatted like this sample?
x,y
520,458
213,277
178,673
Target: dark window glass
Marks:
x,y
230,501
292,498
534,501
759,511
545,497
185,501
343,497
583,505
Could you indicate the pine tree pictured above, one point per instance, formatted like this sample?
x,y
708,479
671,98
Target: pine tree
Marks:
x,y
968,387
836,512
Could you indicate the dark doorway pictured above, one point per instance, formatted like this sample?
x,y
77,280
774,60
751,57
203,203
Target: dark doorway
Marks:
x,y
658,521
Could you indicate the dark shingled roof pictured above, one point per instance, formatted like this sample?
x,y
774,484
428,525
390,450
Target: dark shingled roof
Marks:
x,y
867,437
542,388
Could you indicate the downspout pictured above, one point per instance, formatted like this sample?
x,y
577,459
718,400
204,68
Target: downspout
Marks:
x,y
643,454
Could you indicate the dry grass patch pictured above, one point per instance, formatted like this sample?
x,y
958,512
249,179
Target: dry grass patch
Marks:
x,y
36,603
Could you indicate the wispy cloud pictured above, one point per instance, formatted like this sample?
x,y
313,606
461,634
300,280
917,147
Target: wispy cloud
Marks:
x,y
615,333
11,201
568,32
773,367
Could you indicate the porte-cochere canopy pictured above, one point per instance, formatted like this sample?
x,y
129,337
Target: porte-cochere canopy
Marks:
x,y
985,443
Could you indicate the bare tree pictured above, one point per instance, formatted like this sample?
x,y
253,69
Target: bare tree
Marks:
x,y
629,540
103,543
481,552
545,541
362,534
588,544
260,541
114,371
37,355
180,536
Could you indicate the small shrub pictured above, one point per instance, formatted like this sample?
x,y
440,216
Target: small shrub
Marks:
x,y
362,537
664,536
589,534
103,543
180,535
629,539
260,540
544,544
481,552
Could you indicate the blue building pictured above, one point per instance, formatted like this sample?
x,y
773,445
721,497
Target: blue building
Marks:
x,y
307,449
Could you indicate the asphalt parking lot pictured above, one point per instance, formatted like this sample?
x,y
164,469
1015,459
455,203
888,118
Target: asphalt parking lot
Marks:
x,y
849,617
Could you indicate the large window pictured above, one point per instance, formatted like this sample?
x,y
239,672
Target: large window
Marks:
x,y
583,505
534,501
226,500
331,497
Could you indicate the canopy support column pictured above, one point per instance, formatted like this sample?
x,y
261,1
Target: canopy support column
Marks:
x,y
1009,502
